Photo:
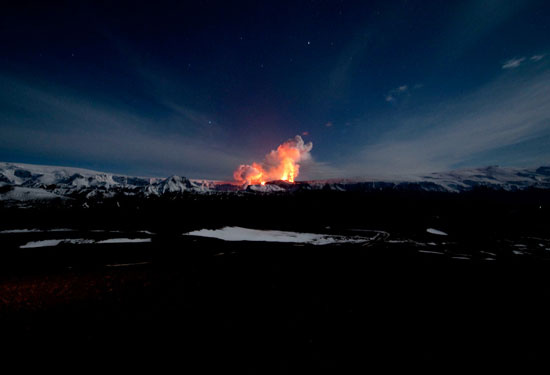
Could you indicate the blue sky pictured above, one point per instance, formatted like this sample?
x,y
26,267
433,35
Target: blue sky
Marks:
x,y
380,88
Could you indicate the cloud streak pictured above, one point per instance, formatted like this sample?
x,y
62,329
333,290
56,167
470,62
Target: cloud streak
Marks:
x,y
517,61
513,63
394,93
507,112
58,124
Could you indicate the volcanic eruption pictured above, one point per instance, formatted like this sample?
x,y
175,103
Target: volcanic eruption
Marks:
x,y
280,164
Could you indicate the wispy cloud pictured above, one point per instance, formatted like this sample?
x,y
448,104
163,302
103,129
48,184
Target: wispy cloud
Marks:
x,y
401,92
509,111
392,95
513,63
517,61
57,123
341,75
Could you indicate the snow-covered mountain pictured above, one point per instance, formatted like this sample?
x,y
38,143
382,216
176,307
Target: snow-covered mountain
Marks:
x,y
24,182
456,181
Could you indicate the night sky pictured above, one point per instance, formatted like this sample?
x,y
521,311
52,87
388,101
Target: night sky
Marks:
x,y
197,88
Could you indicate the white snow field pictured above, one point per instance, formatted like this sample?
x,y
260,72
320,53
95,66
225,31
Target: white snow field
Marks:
x,y
14,231
125,240
436,232
44,243
50,243
245,234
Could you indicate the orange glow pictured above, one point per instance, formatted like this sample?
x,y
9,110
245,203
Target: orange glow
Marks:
x,y
280,164
289,170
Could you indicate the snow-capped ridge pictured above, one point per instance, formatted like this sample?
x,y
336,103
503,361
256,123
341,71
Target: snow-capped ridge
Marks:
x,y
25,182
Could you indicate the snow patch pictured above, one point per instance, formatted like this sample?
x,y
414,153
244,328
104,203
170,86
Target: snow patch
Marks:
x,y
12,231
44,243
245,234
265,188
127,264
19,193
431,252
125,240
488,253
9,231
49,243
436,232
517,252
79,241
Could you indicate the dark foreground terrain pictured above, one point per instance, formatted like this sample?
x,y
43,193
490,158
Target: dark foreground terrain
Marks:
x,y
407,299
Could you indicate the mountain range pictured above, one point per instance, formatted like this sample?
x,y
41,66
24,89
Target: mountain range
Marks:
x,y
26,182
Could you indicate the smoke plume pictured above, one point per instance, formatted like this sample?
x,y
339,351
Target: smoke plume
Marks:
x,y
280,164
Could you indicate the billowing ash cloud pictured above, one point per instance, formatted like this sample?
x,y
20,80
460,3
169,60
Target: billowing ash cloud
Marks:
x,y
280,164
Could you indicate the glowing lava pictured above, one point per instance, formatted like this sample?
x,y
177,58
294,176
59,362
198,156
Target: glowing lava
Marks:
x,y
280,164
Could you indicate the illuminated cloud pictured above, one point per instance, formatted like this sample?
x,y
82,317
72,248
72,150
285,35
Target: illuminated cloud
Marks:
x,y
395,93
513,63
